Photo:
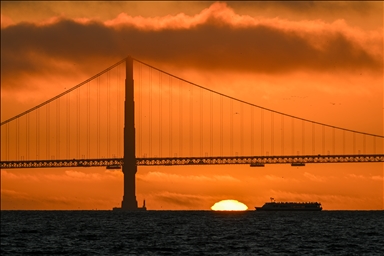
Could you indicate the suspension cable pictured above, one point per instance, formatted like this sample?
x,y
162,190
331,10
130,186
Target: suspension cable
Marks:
x,y
248,103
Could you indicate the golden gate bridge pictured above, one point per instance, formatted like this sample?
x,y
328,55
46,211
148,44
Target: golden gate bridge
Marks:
x,y
133,114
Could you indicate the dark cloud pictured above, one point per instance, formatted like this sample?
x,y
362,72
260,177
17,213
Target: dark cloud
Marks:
x,y
354,12
316,6
210,45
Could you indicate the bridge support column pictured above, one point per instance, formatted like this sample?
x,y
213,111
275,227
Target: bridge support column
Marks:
x,y
129,167
129,198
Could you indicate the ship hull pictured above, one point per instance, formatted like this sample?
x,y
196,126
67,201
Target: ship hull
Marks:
x,y
290,206
261,209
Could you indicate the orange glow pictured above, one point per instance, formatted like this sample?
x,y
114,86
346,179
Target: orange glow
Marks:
x,y
322,62
229,205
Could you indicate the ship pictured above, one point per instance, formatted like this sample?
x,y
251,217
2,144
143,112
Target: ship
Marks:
x,y
290,206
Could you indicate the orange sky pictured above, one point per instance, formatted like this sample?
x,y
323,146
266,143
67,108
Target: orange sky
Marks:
x,y
317,60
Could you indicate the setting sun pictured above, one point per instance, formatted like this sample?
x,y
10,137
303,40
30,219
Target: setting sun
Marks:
x,y
229,205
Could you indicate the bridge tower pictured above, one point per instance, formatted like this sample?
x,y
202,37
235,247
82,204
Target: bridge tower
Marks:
x,y
129,167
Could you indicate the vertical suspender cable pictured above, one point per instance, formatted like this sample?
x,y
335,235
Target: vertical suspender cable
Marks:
x,y
150,112
7,141
115,130
180,122
170,116
160,114
85,153
282,135
48,129
303,138
17,139
241,130
89,120
293,136
27,137
221,126
108,115
211,124
272,133
141,108
323,134
98,116
252,131
231,126
118,106
333,140
68,123
201,122
37,133
313,138
8,146
354,143
57,119
78,122
191,121
262,132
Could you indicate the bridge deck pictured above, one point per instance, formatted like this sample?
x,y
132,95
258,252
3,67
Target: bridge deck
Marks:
x,y
115,163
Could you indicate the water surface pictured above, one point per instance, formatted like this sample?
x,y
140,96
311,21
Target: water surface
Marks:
x,y
192,233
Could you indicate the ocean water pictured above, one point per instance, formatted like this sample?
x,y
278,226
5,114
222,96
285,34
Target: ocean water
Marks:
x,y
192,233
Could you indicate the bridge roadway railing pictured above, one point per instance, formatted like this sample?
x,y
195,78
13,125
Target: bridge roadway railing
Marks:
x,y
253,161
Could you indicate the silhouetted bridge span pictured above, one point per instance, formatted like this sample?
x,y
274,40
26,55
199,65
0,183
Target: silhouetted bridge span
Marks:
x,y
133,114
255,161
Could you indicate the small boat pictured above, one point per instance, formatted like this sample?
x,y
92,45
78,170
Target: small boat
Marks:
x,y
290,206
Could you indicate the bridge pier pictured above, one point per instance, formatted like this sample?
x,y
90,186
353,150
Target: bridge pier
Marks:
x,y
129,202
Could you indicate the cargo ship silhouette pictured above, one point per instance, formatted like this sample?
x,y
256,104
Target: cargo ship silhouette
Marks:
x,y
290,206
